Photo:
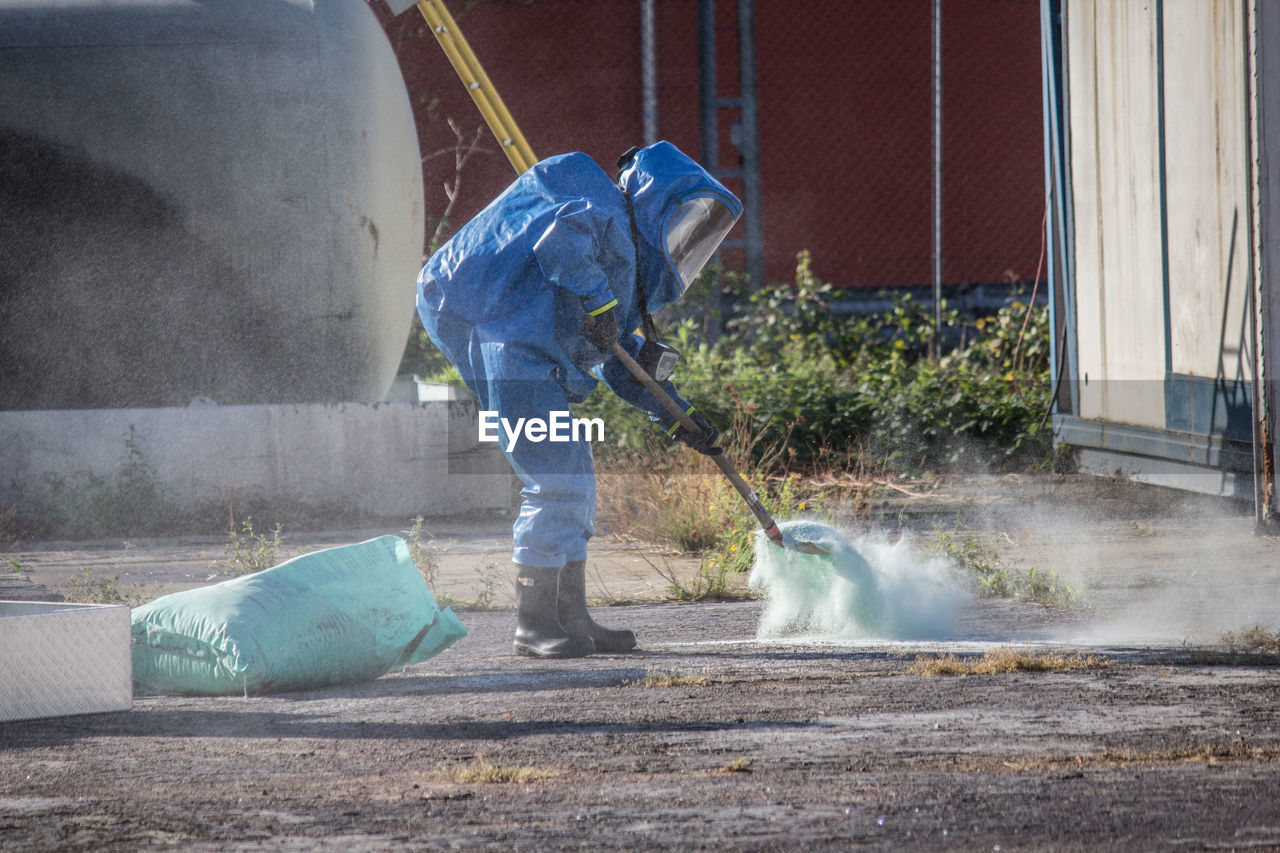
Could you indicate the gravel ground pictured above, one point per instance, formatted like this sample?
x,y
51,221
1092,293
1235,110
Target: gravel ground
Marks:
x,y
708,738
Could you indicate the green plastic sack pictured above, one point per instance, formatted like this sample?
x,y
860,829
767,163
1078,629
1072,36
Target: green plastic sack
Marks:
x,y
336,616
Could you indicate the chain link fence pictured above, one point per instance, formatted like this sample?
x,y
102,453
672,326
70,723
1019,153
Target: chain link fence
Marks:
x,y
891,135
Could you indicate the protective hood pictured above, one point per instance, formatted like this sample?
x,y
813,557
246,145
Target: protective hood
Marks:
x,y
682,214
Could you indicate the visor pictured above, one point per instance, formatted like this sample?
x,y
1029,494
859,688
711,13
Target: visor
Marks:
x,y
693,232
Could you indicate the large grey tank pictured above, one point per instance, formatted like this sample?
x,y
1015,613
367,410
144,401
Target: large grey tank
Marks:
x,y
202,199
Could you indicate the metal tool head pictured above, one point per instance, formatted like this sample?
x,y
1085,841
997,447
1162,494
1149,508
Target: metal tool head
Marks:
x,y
798,544
810,548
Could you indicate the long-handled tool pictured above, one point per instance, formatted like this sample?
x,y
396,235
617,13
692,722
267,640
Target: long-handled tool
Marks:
x,y
748,494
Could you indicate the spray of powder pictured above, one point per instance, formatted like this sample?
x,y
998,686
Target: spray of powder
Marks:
x,y
870,589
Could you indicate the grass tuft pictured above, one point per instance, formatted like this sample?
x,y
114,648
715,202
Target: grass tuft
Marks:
x,y
671,679
1255,639
483,773
1208,754
999,661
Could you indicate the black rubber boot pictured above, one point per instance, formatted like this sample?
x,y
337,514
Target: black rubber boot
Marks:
x,y
538,631
571,606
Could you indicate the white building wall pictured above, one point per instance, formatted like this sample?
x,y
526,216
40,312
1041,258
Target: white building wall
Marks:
x,y
1205,144
1113,83
1132,335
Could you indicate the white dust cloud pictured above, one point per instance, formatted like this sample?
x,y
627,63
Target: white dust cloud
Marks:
x,y
865,588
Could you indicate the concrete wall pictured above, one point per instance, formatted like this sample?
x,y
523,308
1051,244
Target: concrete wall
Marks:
x,y
385,460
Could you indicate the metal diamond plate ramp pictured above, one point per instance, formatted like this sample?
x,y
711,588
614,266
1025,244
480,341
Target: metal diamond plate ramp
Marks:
x,y
58,659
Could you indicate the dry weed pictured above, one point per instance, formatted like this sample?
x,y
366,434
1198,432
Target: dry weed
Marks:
x,y
1255,639
671,679
484,773
999,661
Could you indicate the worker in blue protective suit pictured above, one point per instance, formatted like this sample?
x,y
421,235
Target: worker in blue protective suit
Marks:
x,y
526,301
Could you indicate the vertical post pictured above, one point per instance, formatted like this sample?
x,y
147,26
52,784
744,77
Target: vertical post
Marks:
x,y
649,71
750,144
1162,175
1052,272
937,178
708,135
1265,212
1062,232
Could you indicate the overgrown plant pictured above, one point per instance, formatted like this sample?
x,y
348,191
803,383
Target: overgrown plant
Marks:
x,y
713,581
130,502
1254,639
492,580
678,498
424,552
981,564
832,387
87,587
248,551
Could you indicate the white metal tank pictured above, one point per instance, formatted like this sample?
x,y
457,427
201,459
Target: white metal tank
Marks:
x,y
202,200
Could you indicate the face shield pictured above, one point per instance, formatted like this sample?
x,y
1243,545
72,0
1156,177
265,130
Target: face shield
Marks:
x,y
693,232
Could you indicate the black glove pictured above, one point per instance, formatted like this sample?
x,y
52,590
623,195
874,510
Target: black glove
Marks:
x,y
601,330
705,441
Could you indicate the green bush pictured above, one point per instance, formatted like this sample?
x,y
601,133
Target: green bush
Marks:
x,y
827,388
813,388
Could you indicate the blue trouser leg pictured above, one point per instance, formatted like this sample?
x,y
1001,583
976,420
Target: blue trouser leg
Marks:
x,y
557,516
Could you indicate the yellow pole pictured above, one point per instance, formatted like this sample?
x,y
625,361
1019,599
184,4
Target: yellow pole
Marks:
x,y
478,84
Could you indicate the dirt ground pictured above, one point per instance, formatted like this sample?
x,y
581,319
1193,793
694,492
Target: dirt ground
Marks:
x,y
708,738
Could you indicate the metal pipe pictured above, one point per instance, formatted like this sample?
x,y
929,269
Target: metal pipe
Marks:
x,y
1050,196
1063,218
1263,31
708,133
649,71
937,178
750,145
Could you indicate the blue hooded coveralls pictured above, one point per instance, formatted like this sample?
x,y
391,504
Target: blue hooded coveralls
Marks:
x,y
505,297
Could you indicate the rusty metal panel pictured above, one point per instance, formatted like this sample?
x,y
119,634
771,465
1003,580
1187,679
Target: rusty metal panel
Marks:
x,y
58,659
1264,32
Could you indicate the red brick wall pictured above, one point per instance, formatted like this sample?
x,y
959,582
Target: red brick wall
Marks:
x,y
845,109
